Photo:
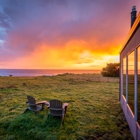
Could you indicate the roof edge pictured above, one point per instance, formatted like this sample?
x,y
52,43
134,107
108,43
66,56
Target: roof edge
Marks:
x,y
132,30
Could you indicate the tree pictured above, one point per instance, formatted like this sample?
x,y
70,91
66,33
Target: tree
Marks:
x,y
111,70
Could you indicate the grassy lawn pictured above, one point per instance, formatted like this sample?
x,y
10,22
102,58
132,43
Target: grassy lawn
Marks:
x,y
94,111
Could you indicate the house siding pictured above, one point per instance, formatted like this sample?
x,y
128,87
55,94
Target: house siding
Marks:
x,y
131,44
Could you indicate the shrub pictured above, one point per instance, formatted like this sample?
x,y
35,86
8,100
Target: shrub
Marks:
x,y
111,70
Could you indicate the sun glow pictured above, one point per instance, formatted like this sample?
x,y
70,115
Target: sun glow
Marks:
x,y
74,55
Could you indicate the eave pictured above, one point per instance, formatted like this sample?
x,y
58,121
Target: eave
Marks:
x,y
132,31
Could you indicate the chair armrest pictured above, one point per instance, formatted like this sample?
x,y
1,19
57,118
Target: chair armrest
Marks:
x,y
47,104
65,105
41,102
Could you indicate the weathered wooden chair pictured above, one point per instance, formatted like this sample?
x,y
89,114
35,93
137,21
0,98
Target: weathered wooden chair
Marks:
x,y
33,106
57,109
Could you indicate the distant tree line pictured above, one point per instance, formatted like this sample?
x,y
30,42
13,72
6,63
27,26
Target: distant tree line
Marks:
x,y
111,70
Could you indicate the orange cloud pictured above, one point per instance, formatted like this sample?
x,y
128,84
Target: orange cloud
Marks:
x,y
71,35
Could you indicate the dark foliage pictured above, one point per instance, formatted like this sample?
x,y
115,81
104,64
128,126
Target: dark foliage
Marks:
x,y
111,70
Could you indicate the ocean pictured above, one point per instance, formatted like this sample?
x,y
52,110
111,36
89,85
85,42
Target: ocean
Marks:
x,y
41,72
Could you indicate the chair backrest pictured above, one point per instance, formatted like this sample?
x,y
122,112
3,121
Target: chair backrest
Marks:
x,y
56,108
32,102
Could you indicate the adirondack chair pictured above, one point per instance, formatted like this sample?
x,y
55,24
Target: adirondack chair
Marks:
x,y
56,108
33,106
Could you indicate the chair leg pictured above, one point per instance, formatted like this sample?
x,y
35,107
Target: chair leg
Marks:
x,y
48,115
25,110
62,119
66,109
43,106
36,112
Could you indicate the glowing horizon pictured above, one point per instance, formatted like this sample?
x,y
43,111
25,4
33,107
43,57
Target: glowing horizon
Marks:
x,y
62,34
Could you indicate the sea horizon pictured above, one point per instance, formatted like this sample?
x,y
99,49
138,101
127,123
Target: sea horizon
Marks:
x,y
44,72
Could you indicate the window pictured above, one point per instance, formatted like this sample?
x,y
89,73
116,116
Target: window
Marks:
x,y
131,81
139,85
124,77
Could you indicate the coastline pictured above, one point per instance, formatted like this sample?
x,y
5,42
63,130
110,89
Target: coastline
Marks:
x,y
89,77
42,72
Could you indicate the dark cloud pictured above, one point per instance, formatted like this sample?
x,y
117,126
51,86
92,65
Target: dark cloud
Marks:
x,y
5,21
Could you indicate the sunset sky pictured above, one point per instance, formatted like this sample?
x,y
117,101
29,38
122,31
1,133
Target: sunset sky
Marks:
x,y
63,34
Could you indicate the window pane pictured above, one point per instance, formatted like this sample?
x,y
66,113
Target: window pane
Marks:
x,y
124,77
131,81
139,85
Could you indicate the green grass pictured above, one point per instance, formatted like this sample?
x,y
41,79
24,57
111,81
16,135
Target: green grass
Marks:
x,y
131,93
131,96
94,111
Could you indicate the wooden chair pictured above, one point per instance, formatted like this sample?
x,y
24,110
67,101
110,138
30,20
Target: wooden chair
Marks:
x,y
33,106
57,109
